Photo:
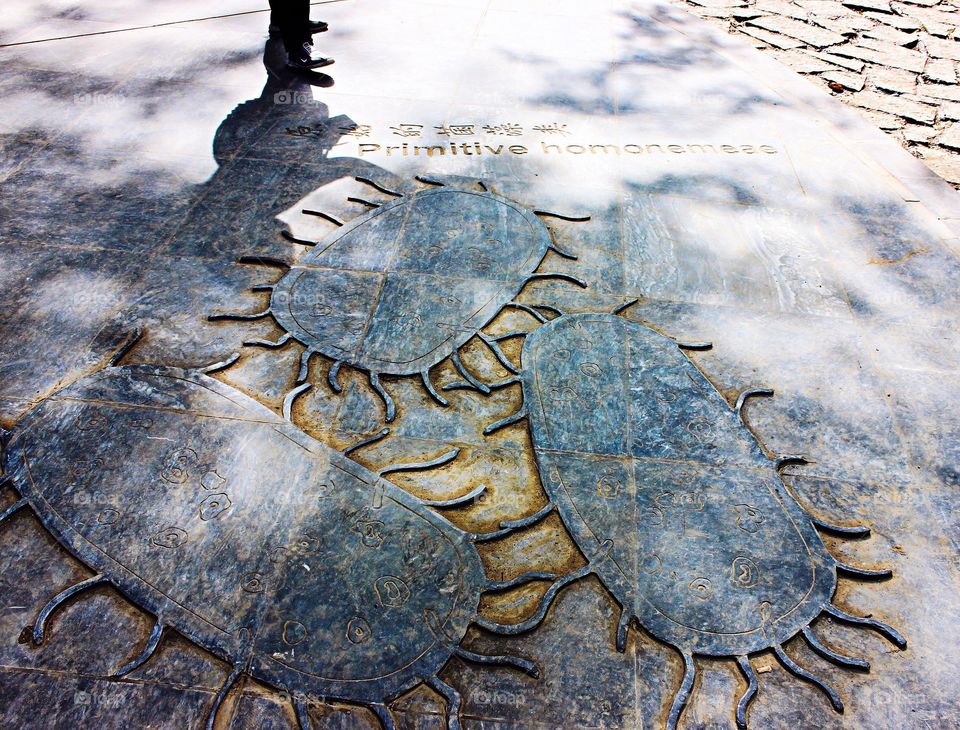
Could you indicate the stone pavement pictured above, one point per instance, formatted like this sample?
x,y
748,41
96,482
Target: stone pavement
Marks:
x,y
430,391
896,62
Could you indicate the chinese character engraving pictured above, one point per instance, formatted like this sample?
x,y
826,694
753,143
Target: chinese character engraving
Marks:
x,y
407,130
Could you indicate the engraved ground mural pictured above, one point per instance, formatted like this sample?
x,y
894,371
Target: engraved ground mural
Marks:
x,y
533,366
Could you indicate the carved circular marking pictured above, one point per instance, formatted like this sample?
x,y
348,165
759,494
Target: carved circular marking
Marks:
x,y
691,500
701,588
591,370
609,486
176,463
654,515
214,506
700,429
294,633
325,490
666,499
744,572
306,545
91,421
358,630
170,537
252,583
749,518
108,516
392,592
406,322
667,396
212,480
564,395
370,532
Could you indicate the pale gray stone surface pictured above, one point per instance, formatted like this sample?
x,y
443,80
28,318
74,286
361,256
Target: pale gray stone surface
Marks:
x,y
853,82
735,201
891,79
898,106
908,50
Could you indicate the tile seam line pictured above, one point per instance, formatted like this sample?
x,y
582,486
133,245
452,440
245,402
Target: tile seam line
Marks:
x,y
154,25
136,682
54,138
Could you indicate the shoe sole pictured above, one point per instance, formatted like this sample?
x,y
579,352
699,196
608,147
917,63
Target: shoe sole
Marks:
x,y
311,66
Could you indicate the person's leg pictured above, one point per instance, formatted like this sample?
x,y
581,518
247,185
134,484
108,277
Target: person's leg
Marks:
x,y
276,12
293,20
303,14
293,28
295,12
300,15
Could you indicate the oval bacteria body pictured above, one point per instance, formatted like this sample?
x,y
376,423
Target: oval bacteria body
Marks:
x,y
263,546
403,287
671,498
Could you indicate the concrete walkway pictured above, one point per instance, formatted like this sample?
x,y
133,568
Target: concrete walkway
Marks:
x,y
470,247
896,62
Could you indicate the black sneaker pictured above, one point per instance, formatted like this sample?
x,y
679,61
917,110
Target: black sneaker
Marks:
x,y
303,59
